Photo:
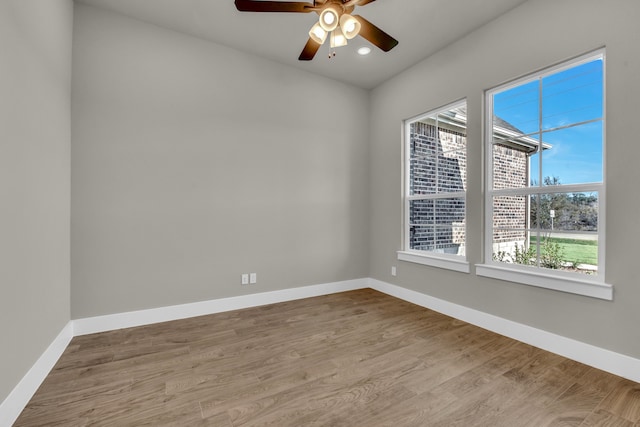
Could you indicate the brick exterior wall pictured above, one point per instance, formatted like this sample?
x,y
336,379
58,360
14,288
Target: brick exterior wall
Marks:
x,y
509,168
509,171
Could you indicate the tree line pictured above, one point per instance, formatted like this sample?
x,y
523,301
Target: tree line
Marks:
x,y
572,211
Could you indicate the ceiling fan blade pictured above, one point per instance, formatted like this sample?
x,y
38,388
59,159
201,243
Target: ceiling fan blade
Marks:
x,y
348,3
274,6
310,50
357,2
375,35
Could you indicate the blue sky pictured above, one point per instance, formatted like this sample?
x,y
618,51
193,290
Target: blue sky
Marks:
x,y
568,97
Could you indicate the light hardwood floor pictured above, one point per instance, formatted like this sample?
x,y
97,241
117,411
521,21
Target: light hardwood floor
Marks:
x,y
357,358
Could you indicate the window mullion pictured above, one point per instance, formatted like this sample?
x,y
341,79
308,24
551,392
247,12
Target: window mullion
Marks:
x,y
569,188
455,195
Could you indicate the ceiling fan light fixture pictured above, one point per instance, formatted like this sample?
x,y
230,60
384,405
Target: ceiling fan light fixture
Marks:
x,y
329,18
335,22
318,34
350,26
338,38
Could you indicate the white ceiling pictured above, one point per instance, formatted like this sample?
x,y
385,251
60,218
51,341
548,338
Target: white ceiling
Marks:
x,y
421,26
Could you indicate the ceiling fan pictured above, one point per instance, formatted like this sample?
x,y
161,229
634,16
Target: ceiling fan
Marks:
x,y
335,22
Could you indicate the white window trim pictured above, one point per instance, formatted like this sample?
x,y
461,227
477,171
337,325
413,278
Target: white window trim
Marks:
x,y
449,262
542,279
433,259
592,286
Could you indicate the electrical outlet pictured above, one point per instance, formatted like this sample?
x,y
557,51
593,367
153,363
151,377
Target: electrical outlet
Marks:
x,y
253,278
245,279
393,270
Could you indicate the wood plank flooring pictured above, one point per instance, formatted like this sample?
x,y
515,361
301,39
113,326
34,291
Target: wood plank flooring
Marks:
x,y
357,358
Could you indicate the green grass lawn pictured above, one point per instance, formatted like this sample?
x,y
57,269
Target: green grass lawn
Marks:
x,y
580,251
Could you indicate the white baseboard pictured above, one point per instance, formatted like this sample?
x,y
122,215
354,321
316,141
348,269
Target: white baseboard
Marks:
x,y
111,322
13,405
606,360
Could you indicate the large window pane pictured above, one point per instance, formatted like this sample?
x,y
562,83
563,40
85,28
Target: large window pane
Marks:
x,y
437,225
422,176
510,167
452,171
572,96
421,238
566,252
451,136
516,109
450,240
510,212
573,212
450,211
510,245
422,139
421,212
573,155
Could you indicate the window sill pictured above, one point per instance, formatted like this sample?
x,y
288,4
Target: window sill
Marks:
x,y
548,281
431,260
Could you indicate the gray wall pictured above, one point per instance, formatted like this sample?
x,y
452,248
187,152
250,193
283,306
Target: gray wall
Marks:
x,y
35,73
533,36
193,163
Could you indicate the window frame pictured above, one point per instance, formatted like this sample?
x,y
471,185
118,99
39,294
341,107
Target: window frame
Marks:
x,y
430,258
593,286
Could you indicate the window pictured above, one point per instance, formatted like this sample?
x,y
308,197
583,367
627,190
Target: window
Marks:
x,y
435,188
545,192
